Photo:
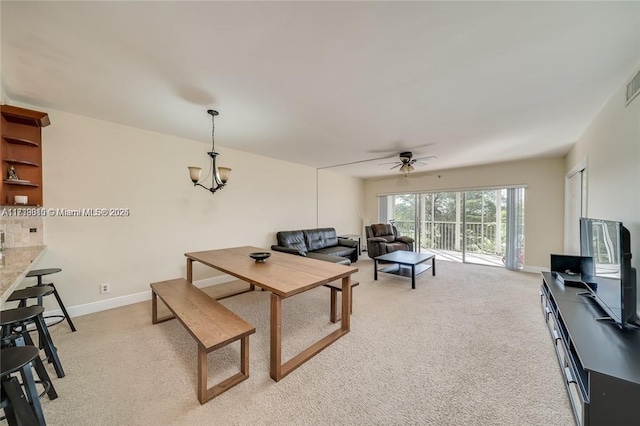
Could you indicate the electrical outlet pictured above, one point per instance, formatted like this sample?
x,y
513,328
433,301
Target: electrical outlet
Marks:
x,y
105,288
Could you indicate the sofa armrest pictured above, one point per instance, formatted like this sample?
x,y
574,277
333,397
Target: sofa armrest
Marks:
x,y
405,239
347,242
376,240
289,250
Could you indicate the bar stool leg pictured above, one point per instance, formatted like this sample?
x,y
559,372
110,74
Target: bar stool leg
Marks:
x,y
38,365
64,310
40,298
49,349
19,412
32,393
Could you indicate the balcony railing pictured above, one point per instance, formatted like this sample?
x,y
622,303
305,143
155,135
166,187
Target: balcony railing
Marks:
x,y
441,235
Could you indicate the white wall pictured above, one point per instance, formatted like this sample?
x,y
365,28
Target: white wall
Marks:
x,y
611,148
90,163
544,197
345,210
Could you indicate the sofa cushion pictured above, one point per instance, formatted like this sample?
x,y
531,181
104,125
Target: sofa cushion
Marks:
x,y
320,238
396,247
337,251
329,258
382,229
292,239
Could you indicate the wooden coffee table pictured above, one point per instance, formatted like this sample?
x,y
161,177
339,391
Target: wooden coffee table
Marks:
x,y
406,263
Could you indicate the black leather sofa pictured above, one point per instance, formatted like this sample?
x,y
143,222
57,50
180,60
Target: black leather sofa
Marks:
x,y
320,243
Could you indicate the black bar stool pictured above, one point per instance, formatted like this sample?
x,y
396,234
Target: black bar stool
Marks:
x,y
39,273
25,294
18,319
20,410
19,340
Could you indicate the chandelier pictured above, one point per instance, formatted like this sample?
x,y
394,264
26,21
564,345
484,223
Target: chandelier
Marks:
x,y
220,176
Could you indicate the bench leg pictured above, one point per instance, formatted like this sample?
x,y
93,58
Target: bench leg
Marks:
x,y
334,305
154,310
244,356
206,394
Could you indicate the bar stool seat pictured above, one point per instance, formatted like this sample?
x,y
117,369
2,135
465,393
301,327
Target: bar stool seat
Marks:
x,y
18,319
39,273
18,408
29,293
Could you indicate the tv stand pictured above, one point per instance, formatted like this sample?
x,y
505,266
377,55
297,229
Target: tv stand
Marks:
x,y
600,361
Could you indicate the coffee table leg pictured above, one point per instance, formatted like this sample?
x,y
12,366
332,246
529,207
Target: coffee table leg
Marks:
x,y
413,277
433,266
375,270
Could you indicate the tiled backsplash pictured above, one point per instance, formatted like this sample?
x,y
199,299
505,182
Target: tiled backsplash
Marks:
x,y
17,231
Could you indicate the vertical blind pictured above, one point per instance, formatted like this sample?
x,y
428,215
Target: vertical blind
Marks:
x,y
514,258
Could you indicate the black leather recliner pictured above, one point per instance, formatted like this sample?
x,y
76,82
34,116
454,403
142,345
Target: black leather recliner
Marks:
x,y
382,238
320,243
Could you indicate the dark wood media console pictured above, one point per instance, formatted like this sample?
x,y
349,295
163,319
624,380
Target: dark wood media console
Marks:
x,y
600,361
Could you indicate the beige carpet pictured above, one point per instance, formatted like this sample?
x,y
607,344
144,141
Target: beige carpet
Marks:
x,y
467,347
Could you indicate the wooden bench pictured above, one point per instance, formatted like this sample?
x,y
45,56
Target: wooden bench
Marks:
x,y
210,323
336,286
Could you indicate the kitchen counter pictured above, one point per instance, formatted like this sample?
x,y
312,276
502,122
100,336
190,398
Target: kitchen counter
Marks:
x,y
14,266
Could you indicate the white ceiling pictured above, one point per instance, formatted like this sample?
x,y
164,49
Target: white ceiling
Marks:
x,y
325,83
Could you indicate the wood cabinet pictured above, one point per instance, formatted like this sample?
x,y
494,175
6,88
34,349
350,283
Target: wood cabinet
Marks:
x,y
21,149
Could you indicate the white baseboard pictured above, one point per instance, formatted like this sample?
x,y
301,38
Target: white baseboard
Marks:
x,y
116,302
534,269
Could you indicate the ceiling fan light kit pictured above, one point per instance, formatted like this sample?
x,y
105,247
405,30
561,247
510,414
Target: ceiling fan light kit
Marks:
x,y
406,168
220,176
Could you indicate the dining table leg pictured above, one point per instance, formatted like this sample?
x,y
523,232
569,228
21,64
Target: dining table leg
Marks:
x,y
278,370
346,303
276,337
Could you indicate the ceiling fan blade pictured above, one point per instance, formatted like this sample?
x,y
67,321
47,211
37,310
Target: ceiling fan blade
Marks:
x,y
383,164
420,163
357,162
397,165
400,147
430,157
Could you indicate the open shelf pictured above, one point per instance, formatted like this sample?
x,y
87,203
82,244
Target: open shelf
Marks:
x,y
19,141
404,270
18,182
15,161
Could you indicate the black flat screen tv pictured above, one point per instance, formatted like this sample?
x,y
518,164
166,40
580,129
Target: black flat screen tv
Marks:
x,y
609,244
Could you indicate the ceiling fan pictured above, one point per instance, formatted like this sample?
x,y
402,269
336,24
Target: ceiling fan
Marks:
x,y
405,164
407,161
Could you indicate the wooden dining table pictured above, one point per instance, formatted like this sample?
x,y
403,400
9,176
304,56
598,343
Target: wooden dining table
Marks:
x,y
284,275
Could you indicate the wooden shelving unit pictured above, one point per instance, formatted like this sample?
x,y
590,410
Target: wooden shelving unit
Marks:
x,y
21,148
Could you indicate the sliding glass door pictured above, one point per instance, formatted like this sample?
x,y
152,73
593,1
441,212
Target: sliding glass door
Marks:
x,y
480,226
483,227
